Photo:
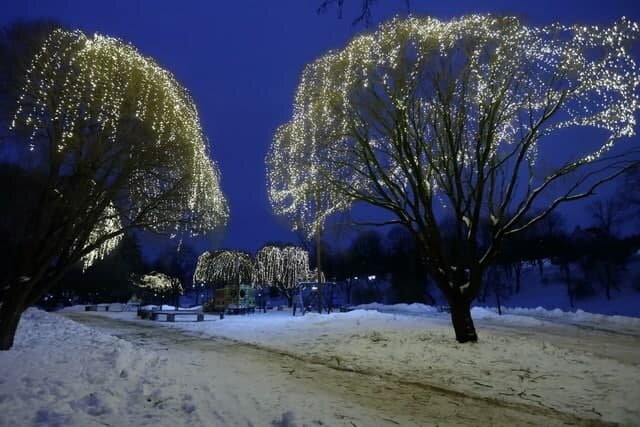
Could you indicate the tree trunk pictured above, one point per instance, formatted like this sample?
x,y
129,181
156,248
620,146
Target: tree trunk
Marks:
x,y
10,311
318,269
608,279
540,268
461,319
289,299
518,271
567,278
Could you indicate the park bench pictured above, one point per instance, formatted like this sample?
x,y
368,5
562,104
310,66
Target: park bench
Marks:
x,y
170,316
145,312
96,307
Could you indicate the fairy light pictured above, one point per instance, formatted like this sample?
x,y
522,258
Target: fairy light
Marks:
x,y
78,85
282,267
109,223
227,266
159,282
588,71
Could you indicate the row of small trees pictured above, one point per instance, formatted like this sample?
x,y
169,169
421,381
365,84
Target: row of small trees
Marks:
x,y
587,260
280,267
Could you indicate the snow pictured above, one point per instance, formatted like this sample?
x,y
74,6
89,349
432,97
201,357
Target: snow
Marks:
x,y
422,348
531,356
405,308
62,373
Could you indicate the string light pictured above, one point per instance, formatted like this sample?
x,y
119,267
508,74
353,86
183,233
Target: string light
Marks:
x,y
283,267
86,95
109,223
159,283
226,266
357,111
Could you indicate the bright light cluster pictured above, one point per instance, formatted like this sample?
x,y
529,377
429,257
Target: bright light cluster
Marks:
x,y
283,267
226,266
108,223
159,283
369,120
88,95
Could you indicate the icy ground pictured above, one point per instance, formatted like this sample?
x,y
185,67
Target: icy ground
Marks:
x,y
363,368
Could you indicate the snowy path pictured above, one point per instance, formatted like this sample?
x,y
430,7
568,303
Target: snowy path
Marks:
x,y
232,383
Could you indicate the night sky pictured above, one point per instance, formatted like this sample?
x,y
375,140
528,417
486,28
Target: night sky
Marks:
x,y
241,60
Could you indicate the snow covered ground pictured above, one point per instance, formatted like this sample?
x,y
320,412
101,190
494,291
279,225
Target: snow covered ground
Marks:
x,y
64,373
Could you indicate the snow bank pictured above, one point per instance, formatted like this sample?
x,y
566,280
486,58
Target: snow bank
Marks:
x,y
406,308
576,316
62,373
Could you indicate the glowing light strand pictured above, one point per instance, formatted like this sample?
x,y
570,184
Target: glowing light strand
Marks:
x,y
587,71
226,266
159,283
77,83
283,267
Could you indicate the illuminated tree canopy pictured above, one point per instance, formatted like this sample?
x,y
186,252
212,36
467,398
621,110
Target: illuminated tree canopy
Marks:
x,y
430,119
282,267
297,189
159,283
228,267
120,143
102,97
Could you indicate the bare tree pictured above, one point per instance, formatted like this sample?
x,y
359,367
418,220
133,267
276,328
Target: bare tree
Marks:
x,y
607,215
631,193
426,119
364,16
119,145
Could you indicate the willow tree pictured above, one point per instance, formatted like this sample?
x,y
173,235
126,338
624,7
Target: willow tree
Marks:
x,y
161,284
282,268
429,119
227,267
120,143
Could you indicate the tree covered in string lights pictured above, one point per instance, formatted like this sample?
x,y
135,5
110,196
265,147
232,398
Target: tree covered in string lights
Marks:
x,y
225,267
429,119
160,284
120,143
282,268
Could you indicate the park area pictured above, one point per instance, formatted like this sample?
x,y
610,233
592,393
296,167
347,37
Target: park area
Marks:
x,y
262,214
376,365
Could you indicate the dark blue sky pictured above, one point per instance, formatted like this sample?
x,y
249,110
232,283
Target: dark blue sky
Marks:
x,y
241,60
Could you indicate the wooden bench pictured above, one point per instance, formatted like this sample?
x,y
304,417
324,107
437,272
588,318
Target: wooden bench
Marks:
x,y
170,316
240,310
96,307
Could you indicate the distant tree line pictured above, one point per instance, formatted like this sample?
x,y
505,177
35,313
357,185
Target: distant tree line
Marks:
x,y
590,260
